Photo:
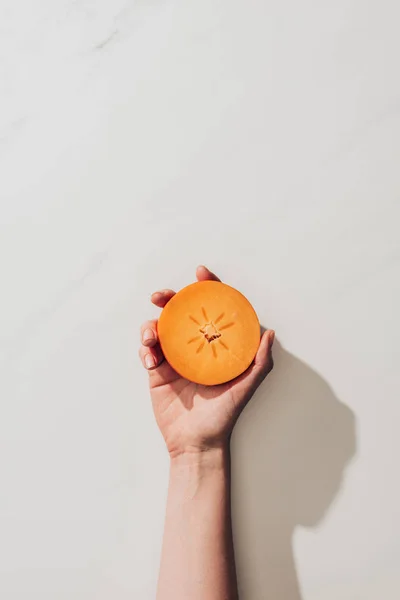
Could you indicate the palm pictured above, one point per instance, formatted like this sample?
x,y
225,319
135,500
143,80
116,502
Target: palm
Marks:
x,y
195,416
185,410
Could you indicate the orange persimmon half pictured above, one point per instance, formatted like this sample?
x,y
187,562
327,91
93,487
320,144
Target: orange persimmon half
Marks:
x,y
209,332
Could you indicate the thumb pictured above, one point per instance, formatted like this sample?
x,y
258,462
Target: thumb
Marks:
x,y
247,383
263,359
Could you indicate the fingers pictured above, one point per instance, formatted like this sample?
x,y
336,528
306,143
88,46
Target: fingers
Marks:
x,y
150,351
159,370
204,274
151,357
148,333
161,297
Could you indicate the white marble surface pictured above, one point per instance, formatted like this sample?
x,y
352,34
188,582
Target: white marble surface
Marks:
x,y
138,139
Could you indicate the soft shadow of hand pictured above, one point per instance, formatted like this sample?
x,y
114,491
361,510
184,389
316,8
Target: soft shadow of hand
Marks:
x,y
290,449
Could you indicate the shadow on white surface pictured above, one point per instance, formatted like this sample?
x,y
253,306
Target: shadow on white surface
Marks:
x,y
290,451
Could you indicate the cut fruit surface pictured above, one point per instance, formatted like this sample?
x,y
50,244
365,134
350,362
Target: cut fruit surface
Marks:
x,y
209,332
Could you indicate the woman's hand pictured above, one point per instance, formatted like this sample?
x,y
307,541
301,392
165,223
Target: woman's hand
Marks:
x,y
193,417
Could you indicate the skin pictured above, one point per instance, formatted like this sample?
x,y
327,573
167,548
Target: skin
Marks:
x,y
196,421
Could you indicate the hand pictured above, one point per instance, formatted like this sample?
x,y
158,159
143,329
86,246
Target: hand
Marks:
x,y
193,417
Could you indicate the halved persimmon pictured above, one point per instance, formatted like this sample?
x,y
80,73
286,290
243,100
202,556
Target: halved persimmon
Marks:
x,y
209,332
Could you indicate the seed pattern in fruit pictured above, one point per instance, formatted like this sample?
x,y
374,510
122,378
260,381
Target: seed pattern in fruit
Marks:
x,y
226,326
194,339
200,348
210,333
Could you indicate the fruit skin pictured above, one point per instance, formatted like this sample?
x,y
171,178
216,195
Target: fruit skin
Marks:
x,y
181,330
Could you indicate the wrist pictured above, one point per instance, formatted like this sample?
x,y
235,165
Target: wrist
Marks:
x,y
195,460
199,475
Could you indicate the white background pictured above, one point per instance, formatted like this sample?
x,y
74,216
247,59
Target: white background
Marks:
x,y
137,140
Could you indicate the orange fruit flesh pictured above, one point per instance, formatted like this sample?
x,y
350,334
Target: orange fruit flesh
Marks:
x,y
209,332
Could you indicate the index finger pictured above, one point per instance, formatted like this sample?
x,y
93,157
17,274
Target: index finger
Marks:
x,y
204,274
161,297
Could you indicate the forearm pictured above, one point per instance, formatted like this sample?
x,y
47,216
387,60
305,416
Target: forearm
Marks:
x,y
197,559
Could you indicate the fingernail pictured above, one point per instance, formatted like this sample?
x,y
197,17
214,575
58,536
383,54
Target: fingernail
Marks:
x,y
149,361
272,336
148,335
